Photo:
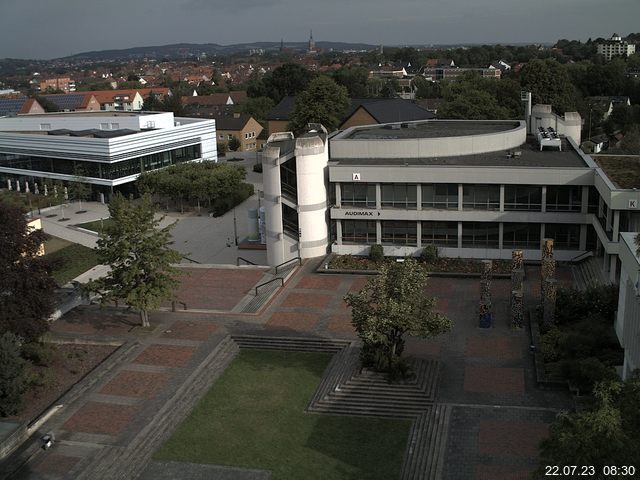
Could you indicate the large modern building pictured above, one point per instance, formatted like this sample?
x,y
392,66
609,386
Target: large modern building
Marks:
x,y
475,189
109,149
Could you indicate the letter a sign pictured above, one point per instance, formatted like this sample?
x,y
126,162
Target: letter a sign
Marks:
x,y
355,177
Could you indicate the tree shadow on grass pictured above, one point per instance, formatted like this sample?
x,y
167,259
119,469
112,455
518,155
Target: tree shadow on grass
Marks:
x,y
363,447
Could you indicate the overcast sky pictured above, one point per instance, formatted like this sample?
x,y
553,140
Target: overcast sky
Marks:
x,y
55,28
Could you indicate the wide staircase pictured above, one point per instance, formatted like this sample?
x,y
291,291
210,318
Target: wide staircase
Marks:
x,y
588,273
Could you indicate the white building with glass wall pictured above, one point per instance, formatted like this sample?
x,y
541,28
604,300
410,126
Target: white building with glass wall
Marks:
x,y
109,149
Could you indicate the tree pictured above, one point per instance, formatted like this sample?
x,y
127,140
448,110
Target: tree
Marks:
x,y
550,83
222,148
601,436
354,79
26,284
390,306
258,108
139,254
12,381
286,80
234,144
323,102
80,188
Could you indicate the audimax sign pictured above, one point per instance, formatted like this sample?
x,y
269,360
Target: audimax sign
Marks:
x,y
359,213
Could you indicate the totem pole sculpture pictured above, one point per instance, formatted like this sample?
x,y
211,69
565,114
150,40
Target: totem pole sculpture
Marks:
x,y
485,294
517,288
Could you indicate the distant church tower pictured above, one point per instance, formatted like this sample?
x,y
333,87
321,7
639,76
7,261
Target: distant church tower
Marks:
x,y
312,43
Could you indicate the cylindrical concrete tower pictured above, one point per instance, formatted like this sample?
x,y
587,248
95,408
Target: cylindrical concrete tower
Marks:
x,y
312,158
272,204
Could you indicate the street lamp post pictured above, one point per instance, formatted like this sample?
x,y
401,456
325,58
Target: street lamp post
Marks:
x,y
235,227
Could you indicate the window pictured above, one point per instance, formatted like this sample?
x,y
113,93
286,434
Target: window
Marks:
x,y
521,235
115,126
522,197
229,137
290,221
399,195
480,235
442,234
399,232
440,196
359,231
45,126
361,195
565,198
221,137
288,178
481,197
565,237
104,126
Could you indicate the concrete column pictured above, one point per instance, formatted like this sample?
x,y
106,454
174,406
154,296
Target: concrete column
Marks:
x,y
419,233
500,234
459,234
460,195
583,238
339,232
613,262
544,198
338,187
378,197
616,225
542,234
502,198
378,232
419,199
584,207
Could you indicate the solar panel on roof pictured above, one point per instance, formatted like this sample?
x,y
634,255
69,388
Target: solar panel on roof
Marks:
x,y
11,106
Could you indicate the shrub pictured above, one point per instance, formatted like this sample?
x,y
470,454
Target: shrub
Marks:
x,y
549,344
429,253
223,205
376,253
38,353
573,305
12,374
257,168
585,373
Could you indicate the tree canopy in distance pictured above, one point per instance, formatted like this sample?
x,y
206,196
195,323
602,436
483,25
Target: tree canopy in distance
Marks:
x,y
324,101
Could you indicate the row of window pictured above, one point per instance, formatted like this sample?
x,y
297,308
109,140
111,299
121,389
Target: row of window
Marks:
x,y
474,234
564,198
109,171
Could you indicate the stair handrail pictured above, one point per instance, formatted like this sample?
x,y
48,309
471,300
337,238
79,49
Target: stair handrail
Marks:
x,y
289,261
244,260
270,281
581,256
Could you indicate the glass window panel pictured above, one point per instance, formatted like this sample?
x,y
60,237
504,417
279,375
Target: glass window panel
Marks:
x,y
399,232
480,235
481,197
358,231
442,234
521,235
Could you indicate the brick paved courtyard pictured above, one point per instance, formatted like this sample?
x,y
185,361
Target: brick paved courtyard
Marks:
x,y
498,414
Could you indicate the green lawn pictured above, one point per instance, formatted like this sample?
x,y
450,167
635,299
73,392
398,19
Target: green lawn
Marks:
x,y
75,259
254,417
96,225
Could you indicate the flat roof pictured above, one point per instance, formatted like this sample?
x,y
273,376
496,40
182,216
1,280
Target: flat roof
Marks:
x,y
90,113
429,129
530,156
622,170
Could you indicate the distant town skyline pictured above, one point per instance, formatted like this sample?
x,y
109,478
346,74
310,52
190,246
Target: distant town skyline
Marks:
x,y
36,29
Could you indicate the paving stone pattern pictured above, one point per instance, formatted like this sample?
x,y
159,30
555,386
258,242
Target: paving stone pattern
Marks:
x,y
492,413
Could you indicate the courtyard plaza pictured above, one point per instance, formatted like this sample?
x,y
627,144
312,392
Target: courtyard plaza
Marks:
x,y
120,414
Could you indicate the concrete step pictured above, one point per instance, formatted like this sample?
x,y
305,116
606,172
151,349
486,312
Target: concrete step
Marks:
x,y
316,344
424,458
365,411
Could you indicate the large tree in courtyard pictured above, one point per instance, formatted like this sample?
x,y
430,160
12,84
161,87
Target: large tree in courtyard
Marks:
x,y
26,284
390,306
324,101
140,256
